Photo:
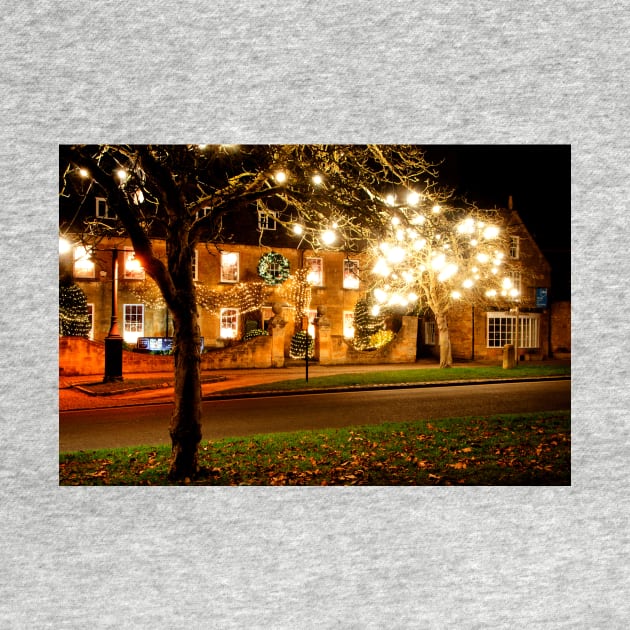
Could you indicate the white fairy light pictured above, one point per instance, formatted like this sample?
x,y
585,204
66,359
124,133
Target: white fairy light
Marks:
x,y
328,237
381,268
390,200
419,219
280,177
492,231
468,283
456,295
395,220
396,255
436,209
380,295
413,198
298,229
317,179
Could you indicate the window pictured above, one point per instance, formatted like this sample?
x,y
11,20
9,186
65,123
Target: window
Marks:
x,y
502,329
429,333
315,274
350,274
514,247
102,209
266,220
348,324
229,323
83,263
132,268
515,278
90,312
133,326
229,267
311,316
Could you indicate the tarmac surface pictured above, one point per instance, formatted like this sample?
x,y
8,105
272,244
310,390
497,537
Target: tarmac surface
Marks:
x,y
86,392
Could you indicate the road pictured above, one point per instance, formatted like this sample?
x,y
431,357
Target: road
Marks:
x,y
148,424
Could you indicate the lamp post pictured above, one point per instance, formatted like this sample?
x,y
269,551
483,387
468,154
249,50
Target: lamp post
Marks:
x,y
114,340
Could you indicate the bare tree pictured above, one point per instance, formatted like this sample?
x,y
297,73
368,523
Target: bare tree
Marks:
x,y
328,196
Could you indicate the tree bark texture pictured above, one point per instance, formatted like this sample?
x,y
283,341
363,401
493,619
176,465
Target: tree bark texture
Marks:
x,y
446,357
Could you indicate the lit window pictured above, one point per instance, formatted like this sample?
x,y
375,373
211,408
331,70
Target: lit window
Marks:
x,y
429,333
350,274
515,278
90,313
311,315
502,329
133,326
229,323
83,263
132,268
266,220
348,324
514,247
315,274
102,209
229,267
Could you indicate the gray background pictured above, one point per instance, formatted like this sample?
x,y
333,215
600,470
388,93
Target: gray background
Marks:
x,y
446,72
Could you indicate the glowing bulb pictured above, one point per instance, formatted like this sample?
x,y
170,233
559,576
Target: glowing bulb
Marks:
x,y
395,221
413,198
468,283
281,177
490,293
412,297
419,219
483,258
448,272
329,237
84,172
419,244
456,295
317,179
507,283
400,235
513,292
376,309
380,295
436,209
396,255
122,174
381,268
492,231
298,230
390,200
438,262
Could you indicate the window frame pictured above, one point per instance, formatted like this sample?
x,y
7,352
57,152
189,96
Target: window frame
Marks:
x,y
515,246
311,263
351,271
233,278
129,254
348,325
267,219
99,203
129,334
86,270
528,329
233,326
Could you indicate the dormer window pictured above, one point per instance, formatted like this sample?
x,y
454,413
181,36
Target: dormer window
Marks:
x,y
102,209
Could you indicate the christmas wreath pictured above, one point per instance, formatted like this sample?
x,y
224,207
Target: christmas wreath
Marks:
x,y
273,268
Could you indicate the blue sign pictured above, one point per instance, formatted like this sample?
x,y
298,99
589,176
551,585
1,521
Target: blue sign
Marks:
x,y
160,344
541,297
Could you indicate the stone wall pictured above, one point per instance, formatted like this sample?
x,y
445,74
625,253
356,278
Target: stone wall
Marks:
x,y
561,328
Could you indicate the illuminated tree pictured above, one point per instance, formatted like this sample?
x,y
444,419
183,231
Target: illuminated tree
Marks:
x,y
73,311
436,255
327,196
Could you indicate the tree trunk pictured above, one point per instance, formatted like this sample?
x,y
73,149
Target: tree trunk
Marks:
x,y
185,427
446,358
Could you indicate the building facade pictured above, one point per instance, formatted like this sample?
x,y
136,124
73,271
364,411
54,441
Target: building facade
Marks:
x,y
236,297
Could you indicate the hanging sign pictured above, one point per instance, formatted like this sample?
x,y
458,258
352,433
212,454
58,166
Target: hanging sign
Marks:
x,y
541,297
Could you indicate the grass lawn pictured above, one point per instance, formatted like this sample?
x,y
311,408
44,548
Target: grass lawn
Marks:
x,y
523,449
418,375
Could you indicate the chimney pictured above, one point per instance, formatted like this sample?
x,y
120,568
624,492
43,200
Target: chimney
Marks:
x,y
510,204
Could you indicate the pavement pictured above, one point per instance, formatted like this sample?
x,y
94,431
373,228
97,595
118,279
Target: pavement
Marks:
x,y
86,392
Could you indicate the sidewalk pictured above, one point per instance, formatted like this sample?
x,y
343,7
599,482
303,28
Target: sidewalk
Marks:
x,y
86,392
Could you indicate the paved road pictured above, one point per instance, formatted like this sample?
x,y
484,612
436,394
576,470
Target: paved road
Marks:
x,y
148,424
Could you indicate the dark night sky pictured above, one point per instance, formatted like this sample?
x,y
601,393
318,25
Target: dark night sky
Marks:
x,y
539,179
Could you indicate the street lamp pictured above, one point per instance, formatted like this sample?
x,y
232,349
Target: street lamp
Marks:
x,y
114,340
